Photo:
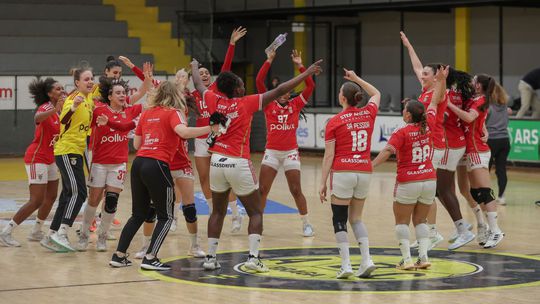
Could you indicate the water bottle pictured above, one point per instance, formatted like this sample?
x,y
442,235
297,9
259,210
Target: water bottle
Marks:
x,y
280,39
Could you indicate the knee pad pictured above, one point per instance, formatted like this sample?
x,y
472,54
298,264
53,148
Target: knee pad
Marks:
x,y
485,195
111,202
340,215
475,194
151,216
190,213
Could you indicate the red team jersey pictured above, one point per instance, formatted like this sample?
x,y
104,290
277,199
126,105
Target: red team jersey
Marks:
x,y
41,150
453,131
474,131
181,158
205,107
439,140
235,142
351,130
110,146
282,122
156,128
413,151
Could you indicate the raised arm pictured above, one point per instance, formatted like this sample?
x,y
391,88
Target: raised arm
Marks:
x,y
440,87
148,79
296,57
261,75
236,35
70,108
197,82
370,89
415,61
287,86
41,116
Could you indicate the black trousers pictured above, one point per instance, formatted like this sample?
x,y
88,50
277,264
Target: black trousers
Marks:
x,y
152,188
73,193
500,148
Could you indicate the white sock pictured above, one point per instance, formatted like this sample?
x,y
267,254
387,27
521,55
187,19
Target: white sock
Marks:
x,y
88,216
304,218
363,243
175,210
106,221
234,208
461,226
432,230
209,203
212,246
422,235
254,243
344,254
492,222
9,227
193,239
37,225
63,229
479,215
403,235
361,235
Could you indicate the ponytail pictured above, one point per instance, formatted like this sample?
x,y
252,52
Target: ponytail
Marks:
x,y
418,113
353,93
500,95
488,85
423,124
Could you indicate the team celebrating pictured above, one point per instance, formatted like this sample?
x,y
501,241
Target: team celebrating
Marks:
x,y
444,133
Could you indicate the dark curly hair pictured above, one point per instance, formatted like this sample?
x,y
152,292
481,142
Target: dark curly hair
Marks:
x,y
227,83
106,86
40,88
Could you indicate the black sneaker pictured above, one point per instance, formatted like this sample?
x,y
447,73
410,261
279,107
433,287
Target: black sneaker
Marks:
x,y
154,264
117,261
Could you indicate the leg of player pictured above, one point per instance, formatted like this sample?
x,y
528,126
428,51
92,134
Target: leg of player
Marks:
x,y
148,228
266,178
434,236
252,203
203,168
422,234
402,214
177,204
482,231
237,216
107,216
43,212
361,234
187,197
295,186
340,214
215,225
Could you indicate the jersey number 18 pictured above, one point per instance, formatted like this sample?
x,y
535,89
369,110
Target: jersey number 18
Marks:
x,y
359,140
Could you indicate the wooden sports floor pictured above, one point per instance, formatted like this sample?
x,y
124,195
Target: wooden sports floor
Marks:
x,y
506,274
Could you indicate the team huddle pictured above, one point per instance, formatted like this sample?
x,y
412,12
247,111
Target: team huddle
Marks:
x,y
444,133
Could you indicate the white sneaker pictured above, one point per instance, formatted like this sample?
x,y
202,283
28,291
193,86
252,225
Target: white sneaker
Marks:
x,y
141,253
501,201
62,241
101,244
483,234
494,239
173,225
47,243
456,234
36,236
82,245
435,240
211,263
366,269
196,252
345,273
236,223
7,240
255,263
110,236
462,240
307,230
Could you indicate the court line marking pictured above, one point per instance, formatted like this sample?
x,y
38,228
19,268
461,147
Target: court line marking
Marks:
x,y
78,285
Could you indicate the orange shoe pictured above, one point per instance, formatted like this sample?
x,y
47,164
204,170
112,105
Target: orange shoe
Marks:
x,y
116,223
93,227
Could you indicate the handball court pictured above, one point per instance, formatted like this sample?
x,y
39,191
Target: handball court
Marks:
x,y
32,274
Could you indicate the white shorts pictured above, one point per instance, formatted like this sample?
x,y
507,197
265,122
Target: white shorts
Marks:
x,y
448,159
290,160
201,148
478,160
413,192
346,185
183,173
112,175
41,173
229,172
462,161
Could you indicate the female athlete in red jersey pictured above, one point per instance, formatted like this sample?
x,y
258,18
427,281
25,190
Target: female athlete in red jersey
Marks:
x,y
416,177
478,152
445,157
41,169
347,159
282,117
109,156
156,139
231,166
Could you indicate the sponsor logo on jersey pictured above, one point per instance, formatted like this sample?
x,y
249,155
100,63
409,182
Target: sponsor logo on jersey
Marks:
x,y
116,138
282,127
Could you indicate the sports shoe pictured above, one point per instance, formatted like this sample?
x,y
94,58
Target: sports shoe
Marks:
x,y
93,226
173,225
7,240
422,264
196,252
211,263
118,262
366,269
308,230
82,245
435,240
36,236
116,223
47,243
141,253
462,240
456,234
501,201
494,239
110,236
405,264
344,273
154,264
483,234
236,223
101,244
255,263
62,241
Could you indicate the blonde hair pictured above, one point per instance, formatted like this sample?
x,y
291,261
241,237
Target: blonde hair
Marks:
x,y
167,95
181,86
500,95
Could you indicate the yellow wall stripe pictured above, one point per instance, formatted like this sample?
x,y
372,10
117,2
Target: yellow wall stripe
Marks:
x,y
462,42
